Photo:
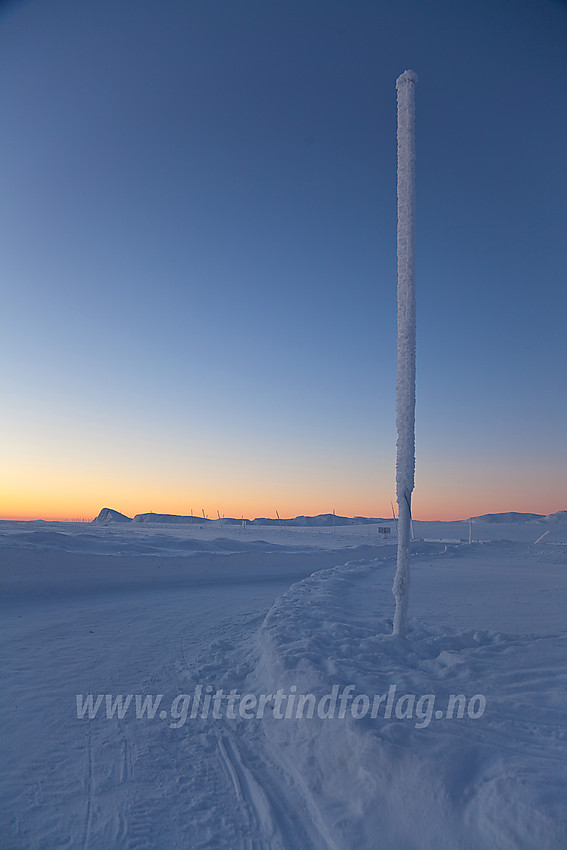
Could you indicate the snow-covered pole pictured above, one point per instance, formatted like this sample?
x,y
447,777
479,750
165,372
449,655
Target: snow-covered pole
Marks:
x,y
405,388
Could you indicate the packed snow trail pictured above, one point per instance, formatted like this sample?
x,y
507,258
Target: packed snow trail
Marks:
x,y
88,624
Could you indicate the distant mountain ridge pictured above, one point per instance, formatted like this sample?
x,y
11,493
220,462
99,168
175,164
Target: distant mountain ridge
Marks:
x,y
558,516
172,519
510,516
324,520
108,516
514,516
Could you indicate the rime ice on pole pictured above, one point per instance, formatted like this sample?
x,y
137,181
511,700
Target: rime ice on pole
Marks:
x,y
405,399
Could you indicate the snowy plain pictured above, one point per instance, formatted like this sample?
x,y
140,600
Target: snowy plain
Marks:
x,y
187,612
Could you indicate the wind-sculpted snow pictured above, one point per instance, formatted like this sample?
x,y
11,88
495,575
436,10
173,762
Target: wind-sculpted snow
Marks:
x,y
127,544
495,780
303,613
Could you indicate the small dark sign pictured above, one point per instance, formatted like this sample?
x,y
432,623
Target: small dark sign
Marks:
x,y
383,530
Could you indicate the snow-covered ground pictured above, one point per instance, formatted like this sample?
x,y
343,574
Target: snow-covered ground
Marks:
x,y
289,716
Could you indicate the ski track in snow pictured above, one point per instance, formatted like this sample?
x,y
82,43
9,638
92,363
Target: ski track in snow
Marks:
x,y
111,779
497,782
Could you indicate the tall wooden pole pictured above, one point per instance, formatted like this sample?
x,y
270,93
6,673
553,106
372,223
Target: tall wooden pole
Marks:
x,y
405,388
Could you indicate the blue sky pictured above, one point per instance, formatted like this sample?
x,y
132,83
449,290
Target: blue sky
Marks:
x,y
198,272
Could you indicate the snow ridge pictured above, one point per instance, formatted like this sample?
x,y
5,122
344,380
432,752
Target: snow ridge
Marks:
x,y
468,786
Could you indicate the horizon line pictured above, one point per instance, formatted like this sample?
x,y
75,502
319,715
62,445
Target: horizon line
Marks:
x,y
195,519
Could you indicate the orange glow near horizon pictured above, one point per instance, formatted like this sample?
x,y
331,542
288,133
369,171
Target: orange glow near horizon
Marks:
x,y
443,492
433,510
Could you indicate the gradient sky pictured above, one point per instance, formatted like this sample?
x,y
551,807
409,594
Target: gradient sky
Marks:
x,y
197,263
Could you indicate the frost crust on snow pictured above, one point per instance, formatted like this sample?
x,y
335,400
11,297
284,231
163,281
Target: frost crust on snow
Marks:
x,y
405,387
405,407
